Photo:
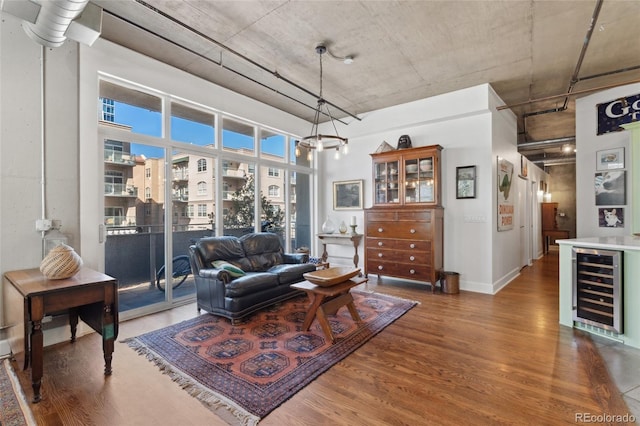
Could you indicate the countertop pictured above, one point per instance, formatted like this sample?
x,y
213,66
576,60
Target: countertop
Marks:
x,y
629,242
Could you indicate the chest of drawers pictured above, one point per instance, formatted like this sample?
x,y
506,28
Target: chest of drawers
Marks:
x,y
404,243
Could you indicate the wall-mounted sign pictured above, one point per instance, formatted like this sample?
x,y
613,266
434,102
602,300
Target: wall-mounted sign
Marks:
x,y
620,111
505,195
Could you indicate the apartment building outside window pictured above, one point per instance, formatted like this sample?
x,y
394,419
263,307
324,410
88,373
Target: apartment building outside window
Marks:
x,y
202,165
202,210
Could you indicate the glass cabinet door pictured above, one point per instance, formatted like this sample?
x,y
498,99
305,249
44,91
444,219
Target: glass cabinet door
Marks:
x,y
386,182
419,180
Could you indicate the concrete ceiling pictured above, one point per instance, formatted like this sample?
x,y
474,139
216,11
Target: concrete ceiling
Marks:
x,y
403,51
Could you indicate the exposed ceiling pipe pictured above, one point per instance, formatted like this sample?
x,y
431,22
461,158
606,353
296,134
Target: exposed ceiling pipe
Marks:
x,y
219,64
574,77
241,56
53,21
583,51
545,143
576,93
555,162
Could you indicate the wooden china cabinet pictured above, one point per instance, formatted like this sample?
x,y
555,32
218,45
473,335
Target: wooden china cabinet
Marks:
x,y
404,228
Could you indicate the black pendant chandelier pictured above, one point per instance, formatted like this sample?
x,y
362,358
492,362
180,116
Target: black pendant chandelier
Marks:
x,y
318,141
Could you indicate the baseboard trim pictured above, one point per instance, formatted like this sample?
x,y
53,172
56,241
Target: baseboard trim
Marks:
x,y
5,348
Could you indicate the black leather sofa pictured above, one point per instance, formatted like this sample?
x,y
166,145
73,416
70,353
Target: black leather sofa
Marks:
x,y
266,270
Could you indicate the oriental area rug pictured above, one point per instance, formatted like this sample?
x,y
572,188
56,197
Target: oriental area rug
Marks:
x,y
14,408
244,371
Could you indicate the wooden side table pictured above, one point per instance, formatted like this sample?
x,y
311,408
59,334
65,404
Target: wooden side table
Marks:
x,y
327,300
88,295
341,239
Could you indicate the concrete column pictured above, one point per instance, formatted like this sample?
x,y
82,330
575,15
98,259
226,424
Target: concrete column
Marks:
x,y
634,129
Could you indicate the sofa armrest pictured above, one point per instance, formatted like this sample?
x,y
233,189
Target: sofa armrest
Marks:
x,y
216,274
295,258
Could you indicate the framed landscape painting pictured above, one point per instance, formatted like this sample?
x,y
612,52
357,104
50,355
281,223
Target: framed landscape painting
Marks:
x,y
466,182
347,195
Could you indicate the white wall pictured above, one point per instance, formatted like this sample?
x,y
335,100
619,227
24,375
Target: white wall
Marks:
x,y
466,124
21,178
587,144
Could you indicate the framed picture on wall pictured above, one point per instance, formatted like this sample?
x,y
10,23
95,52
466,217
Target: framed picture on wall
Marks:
x,y
610,159
610,188
466,182
347,195
611,217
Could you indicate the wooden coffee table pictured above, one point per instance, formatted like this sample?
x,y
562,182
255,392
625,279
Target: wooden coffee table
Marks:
x,y
327,300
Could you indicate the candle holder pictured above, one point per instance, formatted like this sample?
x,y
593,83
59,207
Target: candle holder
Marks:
x,y
353,229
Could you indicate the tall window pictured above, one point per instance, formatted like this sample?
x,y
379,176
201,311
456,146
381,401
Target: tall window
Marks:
x,y
202,188
167,181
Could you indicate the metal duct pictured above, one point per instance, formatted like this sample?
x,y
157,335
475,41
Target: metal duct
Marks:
x,y
53,20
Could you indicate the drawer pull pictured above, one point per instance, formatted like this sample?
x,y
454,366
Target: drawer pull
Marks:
x,y
413,231
412,245
380,267
379,229
412,271
379,254
412,258
380,243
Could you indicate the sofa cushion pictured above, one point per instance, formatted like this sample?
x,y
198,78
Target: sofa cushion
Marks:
x,y
219,248
262,250
252,282
291,273
233,270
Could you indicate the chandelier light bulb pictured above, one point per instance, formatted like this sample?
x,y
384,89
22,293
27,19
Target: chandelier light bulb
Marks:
x,y
320,146
345,149
309,156
337,154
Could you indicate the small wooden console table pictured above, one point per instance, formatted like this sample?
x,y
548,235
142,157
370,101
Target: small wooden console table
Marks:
x,y
346,239
88,295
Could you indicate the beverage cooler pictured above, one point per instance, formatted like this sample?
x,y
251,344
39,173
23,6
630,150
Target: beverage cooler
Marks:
x,y
597,288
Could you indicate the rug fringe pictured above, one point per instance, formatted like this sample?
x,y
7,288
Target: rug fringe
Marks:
x,y
222,406
18,391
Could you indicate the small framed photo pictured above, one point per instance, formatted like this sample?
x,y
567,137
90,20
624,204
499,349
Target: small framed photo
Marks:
x,y
610,159
347,195
611,217
466,182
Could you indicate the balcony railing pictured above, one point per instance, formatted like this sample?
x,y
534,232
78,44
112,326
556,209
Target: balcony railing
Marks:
x,y
181,174
228,195
234,173
177,196
120,190
119,157
116,221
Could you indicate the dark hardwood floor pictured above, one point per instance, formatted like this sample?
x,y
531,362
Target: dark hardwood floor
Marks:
x,y
452,360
